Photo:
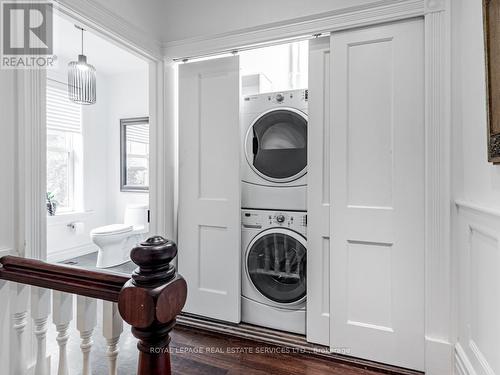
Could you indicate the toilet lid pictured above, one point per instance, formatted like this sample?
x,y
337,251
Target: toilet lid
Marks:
x,y
112,229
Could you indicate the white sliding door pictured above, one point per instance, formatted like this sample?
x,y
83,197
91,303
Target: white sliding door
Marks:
x,y
209,187
377,193
318,193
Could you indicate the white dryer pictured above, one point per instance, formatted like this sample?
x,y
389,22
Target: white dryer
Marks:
x,y
274,150
274,269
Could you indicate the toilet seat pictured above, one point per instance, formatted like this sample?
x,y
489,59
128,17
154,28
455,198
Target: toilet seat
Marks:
x,y
111,229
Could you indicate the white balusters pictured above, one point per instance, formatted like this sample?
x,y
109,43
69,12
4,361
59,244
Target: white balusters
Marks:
x,y
112,327
86,320
40,310
62,315
19,299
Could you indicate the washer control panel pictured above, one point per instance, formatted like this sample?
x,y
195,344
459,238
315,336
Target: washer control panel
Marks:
x,y
263,219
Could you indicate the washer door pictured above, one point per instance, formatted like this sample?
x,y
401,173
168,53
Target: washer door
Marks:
x,y
276,265
276,145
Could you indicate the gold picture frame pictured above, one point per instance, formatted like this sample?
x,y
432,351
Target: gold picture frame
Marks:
x,y
491,21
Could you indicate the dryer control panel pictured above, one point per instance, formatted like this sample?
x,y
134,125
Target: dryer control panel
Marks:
x,y
262,219
292,98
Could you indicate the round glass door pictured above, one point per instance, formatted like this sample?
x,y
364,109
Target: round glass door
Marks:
x,y
277,145
276,265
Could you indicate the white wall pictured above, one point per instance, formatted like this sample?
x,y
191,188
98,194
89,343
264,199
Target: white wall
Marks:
x,y
476,184
128,97
481,180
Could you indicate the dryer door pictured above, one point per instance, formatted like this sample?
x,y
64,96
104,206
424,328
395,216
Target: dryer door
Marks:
x,y
276,145
276,265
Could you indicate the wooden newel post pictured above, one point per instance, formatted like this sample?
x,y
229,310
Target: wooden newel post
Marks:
x,y
150,302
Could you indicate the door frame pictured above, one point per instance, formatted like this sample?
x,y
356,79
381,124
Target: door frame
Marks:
x,y
439,345
31,133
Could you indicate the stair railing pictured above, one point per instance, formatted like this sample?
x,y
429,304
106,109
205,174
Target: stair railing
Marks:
x,y
149,301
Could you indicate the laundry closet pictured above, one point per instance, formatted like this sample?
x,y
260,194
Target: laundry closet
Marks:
x,y
303,210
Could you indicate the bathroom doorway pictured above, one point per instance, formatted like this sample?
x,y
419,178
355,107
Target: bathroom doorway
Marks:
x,y
97,151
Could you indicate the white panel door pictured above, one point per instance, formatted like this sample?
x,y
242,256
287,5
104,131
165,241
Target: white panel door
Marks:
x,y
209,187
377,191
318,193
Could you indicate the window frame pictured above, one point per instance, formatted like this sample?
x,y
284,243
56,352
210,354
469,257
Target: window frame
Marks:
x,y
124,187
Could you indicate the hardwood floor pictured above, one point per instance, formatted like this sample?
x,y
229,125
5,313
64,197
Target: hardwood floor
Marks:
x,y
196,352
239,356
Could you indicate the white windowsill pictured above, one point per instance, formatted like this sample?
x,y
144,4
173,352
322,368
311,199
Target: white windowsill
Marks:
x,y
68,217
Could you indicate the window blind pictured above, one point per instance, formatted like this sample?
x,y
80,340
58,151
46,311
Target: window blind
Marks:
x,y
62,114
138,133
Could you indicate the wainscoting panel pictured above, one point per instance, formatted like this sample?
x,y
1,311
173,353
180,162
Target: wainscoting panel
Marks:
x,y
478,292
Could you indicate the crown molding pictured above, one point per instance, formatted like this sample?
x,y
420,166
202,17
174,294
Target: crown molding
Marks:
x,y
113,27
368,14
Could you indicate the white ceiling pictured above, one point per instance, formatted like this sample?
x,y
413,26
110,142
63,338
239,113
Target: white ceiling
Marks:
x,y
172,20
106,57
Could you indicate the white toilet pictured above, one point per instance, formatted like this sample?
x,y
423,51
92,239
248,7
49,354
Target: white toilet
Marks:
x,y
116,240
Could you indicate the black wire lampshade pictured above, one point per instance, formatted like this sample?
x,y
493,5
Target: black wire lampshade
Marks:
x,y
81,80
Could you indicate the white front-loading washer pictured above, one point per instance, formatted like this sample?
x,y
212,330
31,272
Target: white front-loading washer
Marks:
x,y
274,150
274,259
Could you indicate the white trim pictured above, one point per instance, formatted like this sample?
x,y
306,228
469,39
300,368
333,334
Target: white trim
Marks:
x,y
72,252
31,164
6,251
108,24
432,6
463,366
438,356
342,19
437,182
466,205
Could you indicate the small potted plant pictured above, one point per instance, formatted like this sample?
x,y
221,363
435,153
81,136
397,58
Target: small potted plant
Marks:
x,y
51,204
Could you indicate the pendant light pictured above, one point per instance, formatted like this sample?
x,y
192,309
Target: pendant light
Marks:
x,y
81,79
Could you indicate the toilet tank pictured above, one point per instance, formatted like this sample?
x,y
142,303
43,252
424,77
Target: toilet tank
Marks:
x,y
137,214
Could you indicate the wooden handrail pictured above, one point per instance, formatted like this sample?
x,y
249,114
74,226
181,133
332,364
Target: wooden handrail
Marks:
x,y
149,301
96,284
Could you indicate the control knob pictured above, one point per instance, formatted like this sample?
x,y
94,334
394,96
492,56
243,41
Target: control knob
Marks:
x,y
280,98
280,218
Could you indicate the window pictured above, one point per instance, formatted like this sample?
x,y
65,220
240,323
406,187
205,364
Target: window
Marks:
x,y
134,134
275,68
63,146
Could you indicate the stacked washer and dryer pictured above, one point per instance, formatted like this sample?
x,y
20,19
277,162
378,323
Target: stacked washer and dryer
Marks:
x,y
274,217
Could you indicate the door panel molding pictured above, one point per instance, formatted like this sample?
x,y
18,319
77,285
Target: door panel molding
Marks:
x,y
377,190
209,187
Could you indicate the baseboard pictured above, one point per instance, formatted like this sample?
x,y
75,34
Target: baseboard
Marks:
x,y
292,341
438,356
71,252
462,364
6,251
